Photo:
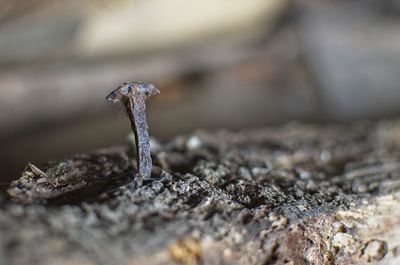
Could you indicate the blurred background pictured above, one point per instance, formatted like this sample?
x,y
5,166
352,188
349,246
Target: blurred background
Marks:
x,y
218,63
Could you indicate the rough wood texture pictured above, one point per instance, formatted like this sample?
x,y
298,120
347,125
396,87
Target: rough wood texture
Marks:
x,y
297,194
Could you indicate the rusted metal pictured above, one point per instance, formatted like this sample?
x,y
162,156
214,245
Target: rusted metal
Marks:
x,y
133,95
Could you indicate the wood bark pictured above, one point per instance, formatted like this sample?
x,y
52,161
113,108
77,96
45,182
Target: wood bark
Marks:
x,y
294,194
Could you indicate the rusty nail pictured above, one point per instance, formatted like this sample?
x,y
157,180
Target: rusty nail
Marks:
x,y
133,96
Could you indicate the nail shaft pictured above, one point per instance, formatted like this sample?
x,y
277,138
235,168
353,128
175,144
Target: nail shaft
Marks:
x,y
133,95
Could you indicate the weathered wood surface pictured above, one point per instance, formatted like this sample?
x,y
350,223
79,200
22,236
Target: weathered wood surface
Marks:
x,y
297,194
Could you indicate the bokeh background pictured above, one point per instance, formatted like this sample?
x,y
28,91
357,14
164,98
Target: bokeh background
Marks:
x,y
218,63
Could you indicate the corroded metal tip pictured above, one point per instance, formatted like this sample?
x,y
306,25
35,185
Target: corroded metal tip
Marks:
x,y
133,95
133,89
114,97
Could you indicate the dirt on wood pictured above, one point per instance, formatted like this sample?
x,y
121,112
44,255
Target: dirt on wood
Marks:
x,y
295,194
